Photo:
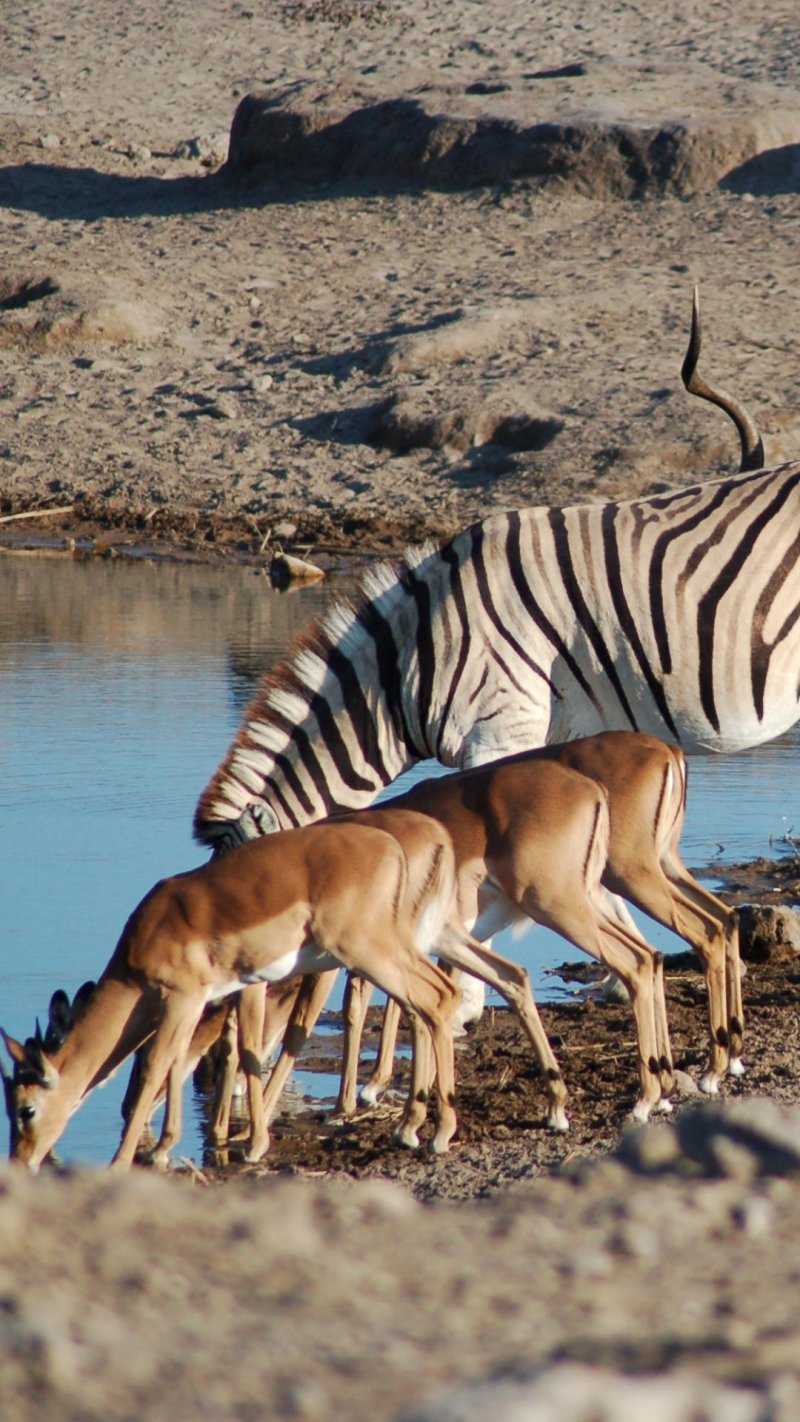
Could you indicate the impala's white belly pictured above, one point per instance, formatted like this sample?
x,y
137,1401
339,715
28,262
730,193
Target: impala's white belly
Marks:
x,y
306,959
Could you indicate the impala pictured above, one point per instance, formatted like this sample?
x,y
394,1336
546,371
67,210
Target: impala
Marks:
x,y
646,784
300,902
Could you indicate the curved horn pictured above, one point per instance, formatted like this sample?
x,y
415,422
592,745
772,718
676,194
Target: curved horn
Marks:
x,y
749,438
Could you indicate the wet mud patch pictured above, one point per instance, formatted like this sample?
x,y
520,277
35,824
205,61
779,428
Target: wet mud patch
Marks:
x,y
502,1137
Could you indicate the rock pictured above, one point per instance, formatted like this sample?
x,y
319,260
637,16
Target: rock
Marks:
x,y
712,129
284,570
649,1149
742,1139
571,1392
685,1085
208,149
738,1140
50,141
762,930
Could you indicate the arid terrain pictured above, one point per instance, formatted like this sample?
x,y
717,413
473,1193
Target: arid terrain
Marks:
x,y
442,266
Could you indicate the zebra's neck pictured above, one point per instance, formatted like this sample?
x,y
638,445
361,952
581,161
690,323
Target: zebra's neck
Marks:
x,y
327,729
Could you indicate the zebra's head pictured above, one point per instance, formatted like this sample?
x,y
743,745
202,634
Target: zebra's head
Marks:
x,y
255,820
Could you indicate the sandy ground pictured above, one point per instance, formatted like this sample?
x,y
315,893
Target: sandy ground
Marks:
x,y
349,345
213,356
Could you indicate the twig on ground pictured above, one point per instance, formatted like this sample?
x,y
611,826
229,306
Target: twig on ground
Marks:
x,y
37,513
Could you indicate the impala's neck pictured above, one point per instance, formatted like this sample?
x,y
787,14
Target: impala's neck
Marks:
x,y
115,1023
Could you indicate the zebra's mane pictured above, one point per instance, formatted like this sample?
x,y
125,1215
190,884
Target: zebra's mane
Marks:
x,y
284,692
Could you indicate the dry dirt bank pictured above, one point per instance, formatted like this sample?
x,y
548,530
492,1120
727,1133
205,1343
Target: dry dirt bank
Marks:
x,y
384,337
605,1275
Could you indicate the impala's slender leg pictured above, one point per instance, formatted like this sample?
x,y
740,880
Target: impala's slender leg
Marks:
x,y
180,1015
357,994
668,893
513,983
228,1061
252,1011
273,1013
171,1127
314,991
603,936
621,911
733,980
666,1073
424,990
713,929
302,1007
381,1074
416,1108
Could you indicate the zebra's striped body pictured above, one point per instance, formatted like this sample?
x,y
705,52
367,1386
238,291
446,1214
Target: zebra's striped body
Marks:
x,y
677,614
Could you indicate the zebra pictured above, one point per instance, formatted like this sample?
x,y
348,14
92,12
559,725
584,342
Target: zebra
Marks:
x,y
676,614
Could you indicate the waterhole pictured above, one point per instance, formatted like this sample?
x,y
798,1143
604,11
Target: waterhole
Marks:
x,y
121,685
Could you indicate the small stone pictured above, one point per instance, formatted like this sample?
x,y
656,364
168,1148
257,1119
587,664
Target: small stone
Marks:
x,y
284,530
754,1216
634,1240
590,1263
685,1085
284,570
649,1149
209,149
50,140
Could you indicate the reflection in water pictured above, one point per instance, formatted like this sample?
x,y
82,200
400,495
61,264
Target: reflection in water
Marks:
x,y
120,687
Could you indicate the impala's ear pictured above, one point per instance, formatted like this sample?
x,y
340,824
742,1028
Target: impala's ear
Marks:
x,y
31,1066
59,1021
15,1049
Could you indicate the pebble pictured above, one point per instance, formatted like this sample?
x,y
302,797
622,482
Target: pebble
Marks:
x,y
685,1085
649,1149
754,1216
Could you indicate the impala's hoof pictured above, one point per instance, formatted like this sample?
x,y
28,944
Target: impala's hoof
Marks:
x,y
439,1147
641,1111
558,1120
664,1106
709,1083
736,1067
407,1136
370,1095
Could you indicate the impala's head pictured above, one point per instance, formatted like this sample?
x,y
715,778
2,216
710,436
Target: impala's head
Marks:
x,y
37,1110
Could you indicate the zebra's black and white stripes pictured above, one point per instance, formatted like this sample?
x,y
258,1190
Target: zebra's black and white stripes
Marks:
x,y
677,614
